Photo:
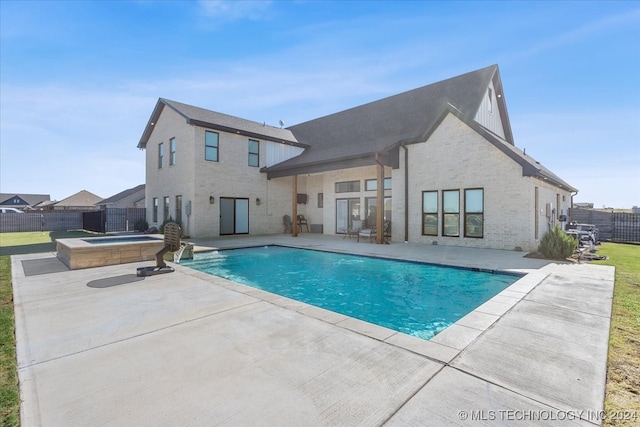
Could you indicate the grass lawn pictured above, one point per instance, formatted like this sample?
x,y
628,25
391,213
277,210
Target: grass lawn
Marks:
x,y
623,366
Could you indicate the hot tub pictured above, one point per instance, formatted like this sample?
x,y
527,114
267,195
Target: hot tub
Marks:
x,y
101,251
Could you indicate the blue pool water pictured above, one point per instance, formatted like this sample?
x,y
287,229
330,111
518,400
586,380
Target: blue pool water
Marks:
x,y
413,298
110,240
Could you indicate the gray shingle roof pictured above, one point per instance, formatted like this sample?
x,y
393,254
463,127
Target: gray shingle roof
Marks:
x,y
379,125
214,120
121,195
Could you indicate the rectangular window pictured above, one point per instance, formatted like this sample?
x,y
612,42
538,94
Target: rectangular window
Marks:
x,y
211,146
165,209
254,153
430,213
160,155
347,186
371,209
179,210
451,213
536,208
474,212
172,151
320,200
155,209
372,184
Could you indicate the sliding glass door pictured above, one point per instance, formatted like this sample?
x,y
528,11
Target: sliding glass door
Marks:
x,y
346,211
234,216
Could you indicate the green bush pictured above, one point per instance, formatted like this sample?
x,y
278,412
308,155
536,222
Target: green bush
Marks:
x,y
556,244
170,219
141,225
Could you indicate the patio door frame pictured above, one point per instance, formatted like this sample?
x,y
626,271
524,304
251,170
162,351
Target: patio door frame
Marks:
x,y
234,213
353,205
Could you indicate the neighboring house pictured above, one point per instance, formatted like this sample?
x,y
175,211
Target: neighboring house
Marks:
x,y
440,160
22,201
81,201
131,198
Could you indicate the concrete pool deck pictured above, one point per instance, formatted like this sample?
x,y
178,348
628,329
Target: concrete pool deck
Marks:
x,y
101,346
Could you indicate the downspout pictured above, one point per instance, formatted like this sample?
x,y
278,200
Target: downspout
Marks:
x,y
406,192
571,210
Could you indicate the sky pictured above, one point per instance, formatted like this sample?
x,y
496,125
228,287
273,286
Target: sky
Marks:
x,y
80,79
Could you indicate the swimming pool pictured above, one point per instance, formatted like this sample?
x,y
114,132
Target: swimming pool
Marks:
x,y
413,298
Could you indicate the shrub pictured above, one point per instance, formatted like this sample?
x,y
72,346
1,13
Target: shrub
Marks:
x,y
170,219
557,245
141,225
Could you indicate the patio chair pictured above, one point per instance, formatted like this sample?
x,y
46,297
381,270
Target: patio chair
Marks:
x,y
172,233
286,220
367,231
354,229
302,221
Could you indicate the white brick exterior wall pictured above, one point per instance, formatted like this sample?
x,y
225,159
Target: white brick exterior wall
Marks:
x,y
454,157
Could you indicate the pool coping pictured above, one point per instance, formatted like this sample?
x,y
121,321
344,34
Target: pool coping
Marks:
x,y
443,347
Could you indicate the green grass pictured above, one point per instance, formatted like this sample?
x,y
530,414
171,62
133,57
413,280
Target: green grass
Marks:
x,y
35,242
9,395
623,364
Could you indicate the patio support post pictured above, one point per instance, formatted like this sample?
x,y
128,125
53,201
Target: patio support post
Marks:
x,y
294,206
380,202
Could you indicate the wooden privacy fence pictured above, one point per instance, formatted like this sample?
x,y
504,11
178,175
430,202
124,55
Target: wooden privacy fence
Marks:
x,y
115,219
612,226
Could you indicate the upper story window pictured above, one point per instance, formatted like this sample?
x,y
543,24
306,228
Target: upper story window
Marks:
x,y
160,155
347,186
451,213
474,212
372,184
211,146
172,151
254,153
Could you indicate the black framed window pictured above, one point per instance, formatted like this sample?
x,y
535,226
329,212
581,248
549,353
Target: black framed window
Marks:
x,y
160,155
320,200
347,186
430,213
179,209
254,153
165,208
211,142
372,184
451,213
474,212
172,151
155,209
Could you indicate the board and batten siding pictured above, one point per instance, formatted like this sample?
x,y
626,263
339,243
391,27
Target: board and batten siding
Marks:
x,y
489,114
278,153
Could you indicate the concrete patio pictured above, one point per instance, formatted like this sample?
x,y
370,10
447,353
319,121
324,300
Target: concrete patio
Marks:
x,y
101,346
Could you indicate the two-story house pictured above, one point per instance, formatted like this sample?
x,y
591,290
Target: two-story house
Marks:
x,y
440,160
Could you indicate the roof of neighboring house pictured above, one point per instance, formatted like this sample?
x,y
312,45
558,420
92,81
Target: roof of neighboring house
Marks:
x,y
380,125
29,199
218,121
121,195
81,198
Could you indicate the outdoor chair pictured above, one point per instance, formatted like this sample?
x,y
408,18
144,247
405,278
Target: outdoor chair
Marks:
x,y
286,220
367,231
302,221
354,229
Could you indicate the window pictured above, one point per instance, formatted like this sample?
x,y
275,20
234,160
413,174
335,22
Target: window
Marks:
x,y
474,212
347,186
254,153
211,146
172,151
490,99
160,155
320,200
451,213
155,209
371,208
179,210
372,184
165,209
430,213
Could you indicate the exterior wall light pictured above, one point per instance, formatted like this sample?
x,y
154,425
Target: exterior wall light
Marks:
x,y
258,201
212,200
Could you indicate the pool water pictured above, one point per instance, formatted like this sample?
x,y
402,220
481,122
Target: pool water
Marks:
x,y
413,298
